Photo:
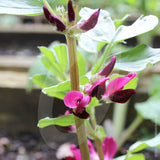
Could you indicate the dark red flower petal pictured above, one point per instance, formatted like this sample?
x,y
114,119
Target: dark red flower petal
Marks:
x,y
98,91
81,113
70,158
91,22
71,13
108,68
48,15
122,96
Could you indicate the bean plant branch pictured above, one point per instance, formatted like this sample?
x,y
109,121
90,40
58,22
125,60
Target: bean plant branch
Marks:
x,y
74,78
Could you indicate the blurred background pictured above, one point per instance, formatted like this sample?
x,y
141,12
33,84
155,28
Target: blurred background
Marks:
x,y
20,36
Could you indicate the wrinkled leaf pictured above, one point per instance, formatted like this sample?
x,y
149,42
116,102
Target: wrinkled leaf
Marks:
x,y
21,7
137,58
65,120
59,90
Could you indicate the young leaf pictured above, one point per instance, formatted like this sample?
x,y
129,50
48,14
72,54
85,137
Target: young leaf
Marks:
x,y
140,145
65,120
59,90
81,64
51,63
137,58
21,7
45,80
61,52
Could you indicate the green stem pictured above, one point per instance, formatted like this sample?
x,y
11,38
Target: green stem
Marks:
x,y
102,60
128,132
119,118
74,77
97,140
48,6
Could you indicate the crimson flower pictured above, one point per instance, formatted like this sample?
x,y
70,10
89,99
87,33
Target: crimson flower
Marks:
x,y
98,88
76,100
109,147
115,92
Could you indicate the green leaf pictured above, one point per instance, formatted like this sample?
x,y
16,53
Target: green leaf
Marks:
x,y
51,63
150,109
131,157
105,29
153,89
21,7
59,90
83,80
81,64
88,44
100,132
140,145
61,52
140,26
55,3
45,80
137,58
65,120
37,68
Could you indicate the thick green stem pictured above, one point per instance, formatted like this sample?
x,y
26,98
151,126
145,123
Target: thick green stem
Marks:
x,y
74,77
119,118
97,140
128,132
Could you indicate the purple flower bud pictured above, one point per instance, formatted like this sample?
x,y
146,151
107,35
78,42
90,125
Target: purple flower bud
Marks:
x,y
71,13
91,22
59,24
48,15
108,68
53,19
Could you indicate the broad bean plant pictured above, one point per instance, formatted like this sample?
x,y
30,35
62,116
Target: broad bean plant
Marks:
x,y
86,72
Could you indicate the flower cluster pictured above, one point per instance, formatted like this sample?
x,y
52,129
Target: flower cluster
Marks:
x,y
112,92
109,147
63,24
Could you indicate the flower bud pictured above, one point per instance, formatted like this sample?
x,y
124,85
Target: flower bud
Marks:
x,y
48,15
91,22
71,13
53,19
108,68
